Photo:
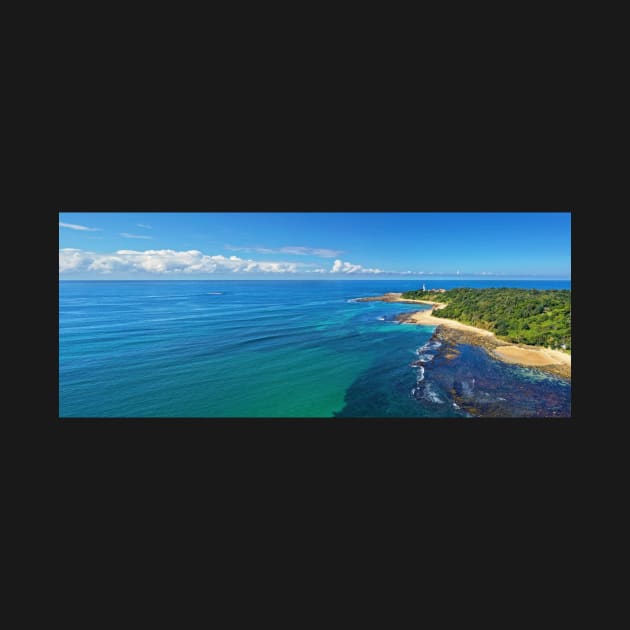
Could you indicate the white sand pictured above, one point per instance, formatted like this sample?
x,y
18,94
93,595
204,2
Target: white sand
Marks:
x,y
511,353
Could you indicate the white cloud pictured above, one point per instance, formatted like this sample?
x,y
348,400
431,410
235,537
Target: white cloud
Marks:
x,y
71,259
144,225
74,226
164,261
127,235
311,251
321,252
169,261
339,266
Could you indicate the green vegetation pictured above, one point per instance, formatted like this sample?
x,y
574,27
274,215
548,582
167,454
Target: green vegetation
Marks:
x,y
530,316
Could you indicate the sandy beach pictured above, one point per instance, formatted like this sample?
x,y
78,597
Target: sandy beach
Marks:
x,y
553,361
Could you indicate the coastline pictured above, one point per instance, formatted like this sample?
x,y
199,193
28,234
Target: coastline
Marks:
x,y
553,361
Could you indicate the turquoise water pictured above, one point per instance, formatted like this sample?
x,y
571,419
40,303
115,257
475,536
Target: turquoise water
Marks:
x,y
243,349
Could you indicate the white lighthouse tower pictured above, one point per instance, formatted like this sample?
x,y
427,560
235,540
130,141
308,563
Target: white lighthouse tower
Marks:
x,y
424,288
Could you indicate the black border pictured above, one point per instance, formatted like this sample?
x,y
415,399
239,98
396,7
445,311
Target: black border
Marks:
x,y
291,427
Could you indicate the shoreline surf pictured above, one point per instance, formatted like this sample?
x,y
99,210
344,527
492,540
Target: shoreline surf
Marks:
x,y
553,361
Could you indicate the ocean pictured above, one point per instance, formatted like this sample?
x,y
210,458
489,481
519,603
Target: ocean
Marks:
x,y
305,349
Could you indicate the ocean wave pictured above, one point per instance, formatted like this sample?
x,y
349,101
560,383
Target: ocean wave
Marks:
x,y
431,395
215,293
425,391
429,345
420,374
425,358
381,318
352,301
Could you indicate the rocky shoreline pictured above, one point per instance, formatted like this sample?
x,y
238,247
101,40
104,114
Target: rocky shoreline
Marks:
x,y
392,297
550,361
453,363
455,336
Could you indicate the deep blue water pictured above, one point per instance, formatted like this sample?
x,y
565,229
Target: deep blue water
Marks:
x,y
267,349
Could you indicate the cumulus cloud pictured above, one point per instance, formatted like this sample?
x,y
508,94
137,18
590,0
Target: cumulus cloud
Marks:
x,y
339,266
71,259
170,261
321,252
74,226
164,261
127,235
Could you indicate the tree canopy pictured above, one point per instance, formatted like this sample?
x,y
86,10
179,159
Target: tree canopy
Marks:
x,y
530,316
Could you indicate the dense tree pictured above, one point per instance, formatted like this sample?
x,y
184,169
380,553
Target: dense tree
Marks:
x,y
531,316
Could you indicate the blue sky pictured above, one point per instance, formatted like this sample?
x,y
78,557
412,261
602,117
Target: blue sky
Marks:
x,y
300,245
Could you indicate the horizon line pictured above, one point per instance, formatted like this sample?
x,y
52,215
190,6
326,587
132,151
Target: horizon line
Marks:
x,y
485,279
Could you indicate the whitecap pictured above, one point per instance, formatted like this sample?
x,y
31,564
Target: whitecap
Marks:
x,y
431,395
425,358
420,375
429,345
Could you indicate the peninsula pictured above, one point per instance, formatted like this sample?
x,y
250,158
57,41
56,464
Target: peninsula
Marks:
x,y
527,327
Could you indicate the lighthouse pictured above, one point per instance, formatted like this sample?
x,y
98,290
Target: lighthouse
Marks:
x,y
424,288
